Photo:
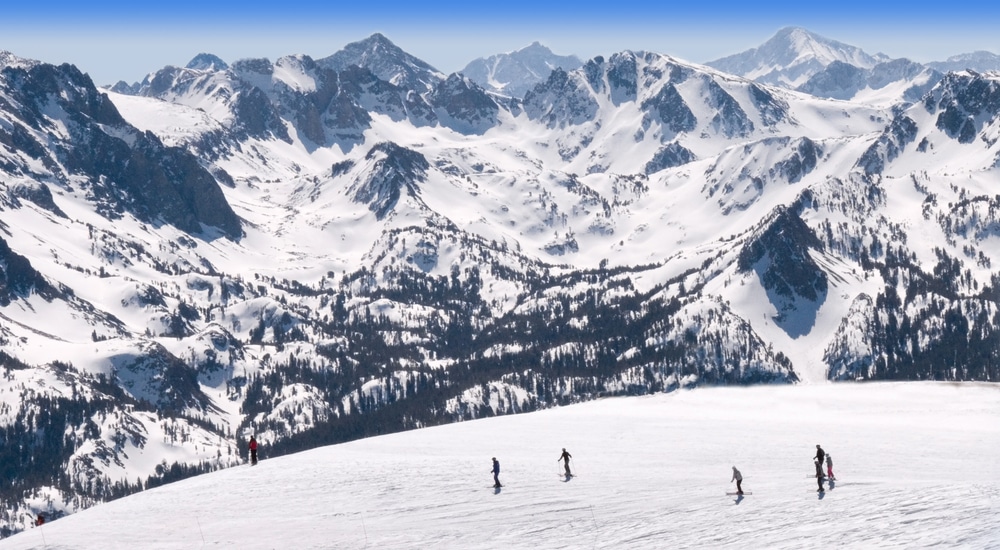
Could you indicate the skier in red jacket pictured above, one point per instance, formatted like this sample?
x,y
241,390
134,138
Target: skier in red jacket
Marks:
x,y
253,450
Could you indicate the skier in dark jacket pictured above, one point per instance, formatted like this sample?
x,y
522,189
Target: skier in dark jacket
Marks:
x,y
738,478
565,456
820,454
496,472
253,450
819,476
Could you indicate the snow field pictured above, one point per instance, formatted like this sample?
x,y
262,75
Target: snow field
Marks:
x,y
917,464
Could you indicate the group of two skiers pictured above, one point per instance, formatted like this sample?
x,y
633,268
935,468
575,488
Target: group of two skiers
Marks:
x,y
818,461
565,456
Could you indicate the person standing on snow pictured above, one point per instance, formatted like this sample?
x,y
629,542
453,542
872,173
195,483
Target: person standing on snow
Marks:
x,y
253,450
829,467
819,476
820,453
738,478
565,456
496,472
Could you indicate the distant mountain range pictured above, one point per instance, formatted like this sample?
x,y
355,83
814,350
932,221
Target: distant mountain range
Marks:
x,y
318,250
793,58
797,59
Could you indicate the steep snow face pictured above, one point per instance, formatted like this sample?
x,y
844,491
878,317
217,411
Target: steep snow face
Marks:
x,y
650,472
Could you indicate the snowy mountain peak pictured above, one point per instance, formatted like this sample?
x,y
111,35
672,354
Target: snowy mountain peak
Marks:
x,y
517,72
791,56
387,61
207,62
8,59
792,44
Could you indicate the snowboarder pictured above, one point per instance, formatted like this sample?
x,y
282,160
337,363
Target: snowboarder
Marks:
x,y
820,453
253,450
829,467
738,478
565,456
819,476
496,472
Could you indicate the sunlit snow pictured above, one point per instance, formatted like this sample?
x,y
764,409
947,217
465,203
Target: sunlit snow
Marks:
x,y
915,465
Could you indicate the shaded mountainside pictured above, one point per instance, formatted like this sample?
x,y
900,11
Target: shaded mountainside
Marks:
x,y
315,251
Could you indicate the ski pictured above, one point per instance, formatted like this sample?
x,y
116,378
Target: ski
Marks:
x,y
745,493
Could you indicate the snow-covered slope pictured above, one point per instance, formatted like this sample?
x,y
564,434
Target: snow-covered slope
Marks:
x,y
913,462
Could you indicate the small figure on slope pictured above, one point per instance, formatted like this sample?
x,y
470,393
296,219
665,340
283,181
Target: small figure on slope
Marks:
x,y
496,472
829,467
820,453
253,450
39,520
565,456
738,478
819,475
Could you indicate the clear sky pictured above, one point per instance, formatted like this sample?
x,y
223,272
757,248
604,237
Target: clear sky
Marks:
x,y
125,40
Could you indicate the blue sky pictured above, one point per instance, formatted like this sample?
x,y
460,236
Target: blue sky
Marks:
x,y
118,40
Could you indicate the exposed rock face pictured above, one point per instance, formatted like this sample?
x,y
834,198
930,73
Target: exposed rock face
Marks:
x,y
127,170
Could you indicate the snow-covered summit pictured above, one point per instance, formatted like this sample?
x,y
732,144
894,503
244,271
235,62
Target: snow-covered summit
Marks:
x,y
793,55
207,62
386,60
516,72
8,59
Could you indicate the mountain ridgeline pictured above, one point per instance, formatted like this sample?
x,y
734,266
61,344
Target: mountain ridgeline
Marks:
x,y
314,251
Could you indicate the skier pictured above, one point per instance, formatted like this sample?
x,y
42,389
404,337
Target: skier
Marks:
x,y
565,456
819,476
829,467
738,478
820,453
40,520
496,472
253,450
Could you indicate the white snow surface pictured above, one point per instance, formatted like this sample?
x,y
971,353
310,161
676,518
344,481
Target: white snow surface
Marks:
x,y
915,464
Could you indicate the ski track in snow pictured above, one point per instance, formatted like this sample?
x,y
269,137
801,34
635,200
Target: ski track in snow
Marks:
x,y
917,464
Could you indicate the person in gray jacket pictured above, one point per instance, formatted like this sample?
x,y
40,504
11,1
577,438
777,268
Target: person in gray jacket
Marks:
x,y
738,478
